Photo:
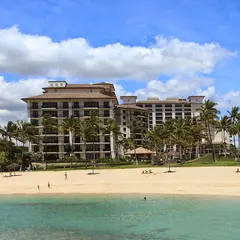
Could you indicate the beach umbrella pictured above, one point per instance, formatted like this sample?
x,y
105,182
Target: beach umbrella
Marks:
x,y
13,167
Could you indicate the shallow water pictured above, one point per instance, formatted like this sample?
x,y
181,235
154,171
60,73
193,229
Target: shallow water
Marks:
x,y
119,217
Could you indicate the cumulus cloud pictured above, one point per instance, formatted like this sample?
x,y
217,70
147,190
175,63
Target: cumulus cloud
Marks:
x,y
178,86
13,108
39,58
11,105
32,55
228,99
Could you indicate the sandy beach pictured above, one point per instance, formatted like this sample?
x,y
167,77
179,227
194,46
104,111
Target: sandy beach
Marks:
x,y
222,181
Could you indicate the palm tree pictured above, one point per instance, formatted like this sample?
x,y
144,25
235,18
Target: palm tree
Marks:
x,y
94,125
47,122
7,147
82,131
234,114
9,131
209,115
171,140
223,126
135,126
180,133
113,130
25,133
156,138
127,144
237,131
70,125
196,134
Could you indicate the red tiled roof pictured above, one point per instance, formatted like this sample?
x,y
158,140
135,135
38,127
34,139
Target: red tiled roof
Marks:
x,y
48,96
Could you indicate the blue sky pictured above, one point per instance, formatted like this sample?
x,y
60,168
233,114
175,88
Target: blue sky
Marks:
x,y
137,23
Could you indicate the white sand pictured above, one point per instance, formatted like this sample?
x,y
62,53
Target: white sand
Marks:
x,y
190,180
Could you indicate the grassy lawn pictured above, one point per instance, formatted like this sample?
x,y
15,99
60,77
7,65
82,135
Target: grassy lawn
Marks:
x,y
204,161
207,161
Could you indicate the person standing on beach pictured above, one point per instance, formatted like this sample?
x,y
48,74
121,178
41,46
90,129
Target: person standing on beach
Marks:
x,y
66,176
38,187
49,185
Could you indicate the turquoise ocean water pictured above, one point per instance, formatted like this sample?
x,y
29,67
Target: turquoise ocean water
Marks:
x,y
119,217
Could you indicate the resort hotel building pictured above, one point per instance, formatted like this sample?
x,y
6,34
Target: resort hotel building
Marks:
x,y
60,100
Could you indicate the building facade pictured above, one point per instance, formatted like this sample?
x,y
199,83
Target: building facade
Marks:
x,y
61,100
172,108
161,111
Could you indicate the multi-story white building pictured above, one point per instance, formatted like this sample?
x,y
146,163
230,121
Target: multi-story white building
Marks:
x,y
172,108
61,100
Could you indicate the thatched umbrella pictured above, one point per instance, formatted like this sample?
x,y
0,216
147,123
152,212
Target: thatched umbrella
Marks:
x,y
13,167
140,151
173,153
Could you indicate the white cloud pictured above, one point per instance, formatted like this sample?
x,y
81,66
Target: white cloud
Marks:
x,y
183,62
33,55
228,99
178,86
11,105
13,108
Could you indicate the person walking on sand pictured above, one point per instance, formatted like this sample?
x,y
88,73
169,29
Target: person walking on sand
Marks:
x,y
49,185
38,187
66,176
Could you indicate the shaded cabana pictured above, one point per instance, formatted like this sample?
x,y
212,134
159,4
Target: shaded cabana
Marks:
x,y
13,167
140,152
173,154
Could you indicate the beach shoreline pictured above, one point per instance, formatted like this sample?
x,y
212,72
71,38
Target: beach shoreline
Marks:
x,y
194,181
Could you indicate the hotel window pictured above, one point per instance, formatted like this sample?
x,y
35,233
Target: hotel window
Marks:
x,y
49,105
65,104
106,105
48,148
124,129
35,114
107,138
66,139
106,113
35,148
107,147
50,113
76,114
86,113
34,105
65,114
75,105
50,139
178,105
91,104
34,122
